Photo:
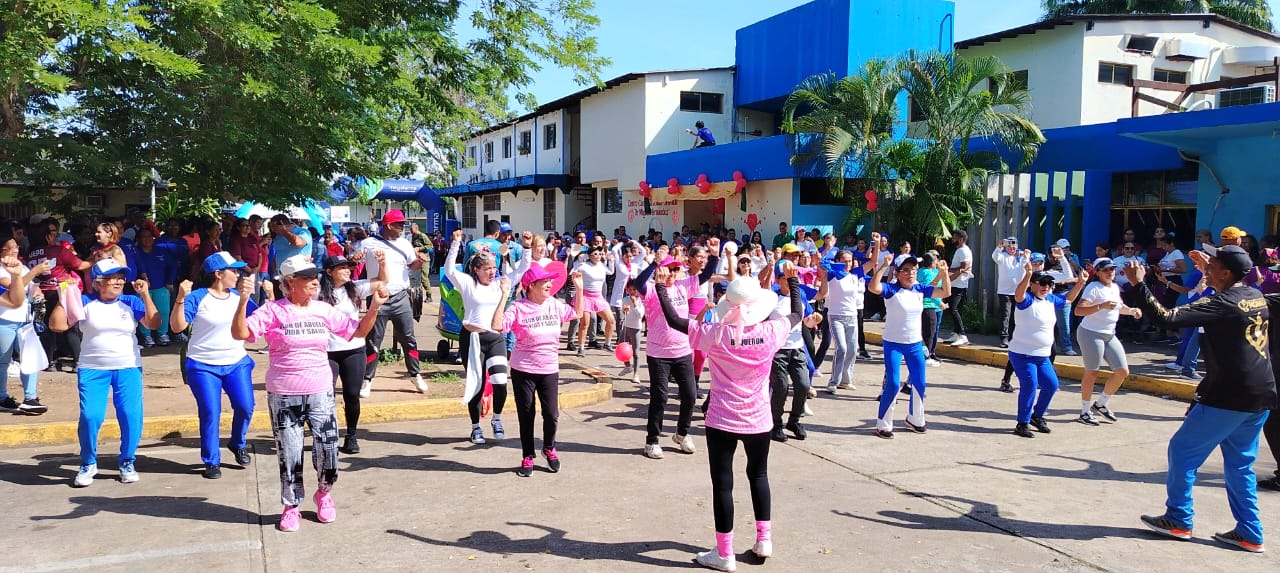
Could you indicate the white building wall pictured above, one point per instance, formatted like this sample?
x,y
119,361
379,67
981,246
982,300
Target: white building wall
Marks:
x,y
547,161
551,160
1054,65
613,134
665,123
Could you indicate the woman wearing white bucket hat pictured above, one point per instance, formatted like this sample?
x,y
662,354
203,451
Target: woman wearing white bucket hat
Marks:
x,y
739,351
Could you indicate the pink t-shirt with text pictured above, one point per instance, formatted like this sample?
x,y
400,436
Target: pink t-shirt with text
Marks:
x,y
537,329
298,339
664,341
740,400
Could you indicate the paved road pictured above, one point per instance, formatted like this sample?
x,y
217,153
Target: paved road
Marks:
x,y
966,496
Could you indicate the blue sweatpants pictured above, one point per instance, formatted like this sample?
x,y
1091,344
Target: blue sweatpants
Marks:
x,y
208,382
1205,429
894,354
125,385
1034,373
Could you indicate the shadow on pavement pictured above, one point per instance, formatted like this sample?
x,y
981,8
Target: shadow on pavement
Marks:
x,y
1095,470
555,543
182,508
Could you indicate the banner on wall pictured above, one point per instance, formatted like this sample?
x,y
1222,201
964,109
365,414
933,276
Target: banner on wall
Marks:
x,y
658,216
339,214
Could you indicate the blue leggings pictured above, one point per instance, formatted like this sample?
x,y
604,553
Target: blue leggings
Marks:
x,y
894,354
1206,429
1034,373
125,385
207,383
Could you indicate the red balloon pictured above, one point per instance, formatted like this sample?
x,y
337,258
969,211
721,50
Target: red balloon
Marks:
x,y
623,352
673,186
645,190
871,205
703,184
870,195
740,181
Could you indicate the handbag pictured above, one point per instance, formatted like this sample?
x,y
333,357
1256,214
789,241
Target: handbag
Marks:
x,y
72,301
31,354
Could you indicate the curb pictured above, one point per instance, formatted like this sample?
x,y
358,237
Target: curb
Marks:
x,y
157,427
1135,382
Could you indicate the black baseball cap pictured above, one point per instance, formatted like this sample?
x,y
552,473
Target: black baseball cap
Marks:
x,y
338,261
1039,277
1234,258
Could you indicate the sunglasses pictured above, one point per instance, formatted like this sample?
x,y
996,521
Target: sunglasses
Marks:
x,y
1046,282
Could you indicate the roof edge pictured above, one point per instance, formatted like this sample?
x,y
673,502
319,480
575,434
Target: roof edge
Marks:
x,y
1070,20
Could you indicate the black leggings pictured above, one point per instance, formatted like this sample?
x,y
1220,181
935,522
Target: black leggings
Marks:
x,y
547,389
824,328
661,371
862,332
493,349
349,366
1272,431
929,330
721,447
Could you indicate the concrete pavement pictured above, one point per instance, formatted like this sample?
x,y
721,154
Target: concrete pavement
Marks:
x,y
966,496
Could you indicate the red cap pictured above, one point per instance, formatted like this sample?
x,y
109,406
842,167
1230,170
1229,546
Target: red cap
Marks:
x,y
393,216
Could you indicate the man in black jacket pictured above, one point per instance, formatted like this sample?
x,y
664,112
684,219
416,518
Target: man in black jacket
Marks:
x,y
1272,429
1231,403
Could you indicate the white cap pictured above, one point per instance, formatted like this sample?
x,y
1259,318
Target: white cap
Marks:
x,y
1063,244
298,265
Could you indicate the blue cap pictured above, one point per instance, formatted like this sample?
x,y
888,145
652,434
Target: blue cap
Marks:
x,y
109,266
505,227
221,260
1037,257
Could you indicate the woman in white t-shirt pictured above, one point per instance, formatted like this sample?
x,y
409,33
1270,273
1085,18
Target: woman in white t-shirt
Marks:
x,y
843,287
109,362
347,358
215,361
481,295
595,271
1101,307
15,312
1031,346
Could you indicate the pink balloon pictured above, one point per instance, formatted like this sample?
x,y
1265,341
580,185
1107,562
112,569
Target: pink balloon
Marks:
x,y
623,352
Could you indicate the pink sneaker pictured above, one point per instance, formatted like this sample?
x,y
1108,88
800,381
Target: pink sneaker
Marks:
x,y
290,519
326,510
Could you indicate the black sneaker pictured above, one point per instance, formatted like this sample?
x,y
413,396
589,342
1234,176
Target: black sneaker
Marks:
x,y
32,407
1004,344
1272,484
778,435
798,430
914,428
553,459
1161,524
1023,430
211,471
1006,387
241,456
1087,418
350,445
526,467
8,404
884,434
864,355
1233,538
1040,425
1106,412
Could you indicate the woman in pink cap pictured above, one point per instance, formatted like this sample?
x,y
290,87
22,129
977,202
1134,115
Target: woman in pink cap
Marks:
x,y
740,351
536,321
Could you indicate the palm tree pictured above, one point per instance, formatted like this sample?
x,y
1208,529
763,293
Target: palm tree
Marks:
x,y
1254,13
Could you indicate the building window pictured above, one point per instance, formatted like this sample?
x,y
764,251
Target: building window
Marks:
x,y
526,142
702,102
549,136
488,152
1143,44
915,113
815,191
1018,78
1171,76
471,155
548,208
469,212
493,202
1109,73
506,147
610,200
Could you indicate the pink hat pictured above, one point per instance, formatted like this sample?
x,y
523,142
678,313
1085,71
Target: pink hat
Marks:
x,y
554,270
669,261
393,216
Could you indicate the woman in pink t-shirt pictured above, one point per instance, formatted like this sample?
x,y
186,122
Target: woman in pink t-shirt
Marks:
x,y
536,321
740,350
299,383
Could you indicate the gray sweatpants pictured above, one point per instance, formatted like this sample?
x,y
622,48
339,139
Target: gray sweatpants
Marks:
x,y
288,414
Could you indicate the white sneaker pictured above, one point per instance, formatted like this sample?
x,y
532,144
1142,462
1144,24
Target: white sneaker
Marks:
x,y
960,341
933,363
127,473
807,410
845,386
626,371
635,379
685,443
420,383
763,549
949,339
84,478
366,388
712,560
653,451
1173,366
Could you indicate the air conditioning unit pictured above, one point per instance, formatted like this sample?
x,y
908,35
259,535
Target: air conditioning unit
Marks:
x,y
504,174
1246,96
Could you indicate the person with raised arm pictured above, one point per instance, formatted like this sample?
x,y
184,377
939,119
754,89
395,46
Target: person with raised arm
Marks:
x,y
1031,347
1101,307
482,297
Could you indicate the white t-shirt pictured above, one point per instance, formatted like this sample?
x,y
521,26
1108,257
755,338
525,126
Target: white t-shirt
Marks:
x,y
808,246
479,302
1122,262
210,319
963,255
108,328
1036,319
348,307
593,275
844,297
634,317
1170,261
795,339
1103,321
1009,269
18,314
397,266
902,312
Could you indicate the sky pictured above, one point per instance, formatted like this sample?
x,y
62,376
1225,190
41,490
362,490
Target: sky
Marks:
x,y
673,34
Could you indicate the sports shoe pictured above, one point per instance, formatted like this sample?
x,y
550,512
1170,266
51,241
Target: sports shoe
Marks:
x,y
864,355
1087,418
163,340
290,519
1161,524
350,444
635,379
1071,352
326,510
807,410
1023,430
948,339
1006,387
241,455
498,432
830,389
763,549
1272,484
845,386
1105,411
211,471
84,477
147,341
1192,375
1004,344
8,404
1040,425
32,407
626,371
127,473
712,560
420,383
778,435
553,459
797,430
885,434
653,451
1173,366
933,362
914,428
1233,538
366,388
582,353
685,443
526,467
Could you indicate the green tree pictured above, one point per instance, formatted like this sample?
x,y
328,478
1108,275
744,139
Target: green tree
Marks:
x,y
1255,13
265,100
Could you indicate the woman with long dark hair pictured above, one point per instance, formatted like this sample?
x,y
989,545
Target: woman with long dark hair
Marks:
x,y
347,357
481,295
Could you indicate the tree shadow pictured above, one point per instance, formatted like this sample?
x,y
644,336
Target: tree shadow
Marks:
x,y
50,469
182,508
428,462
1095,470
555,542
